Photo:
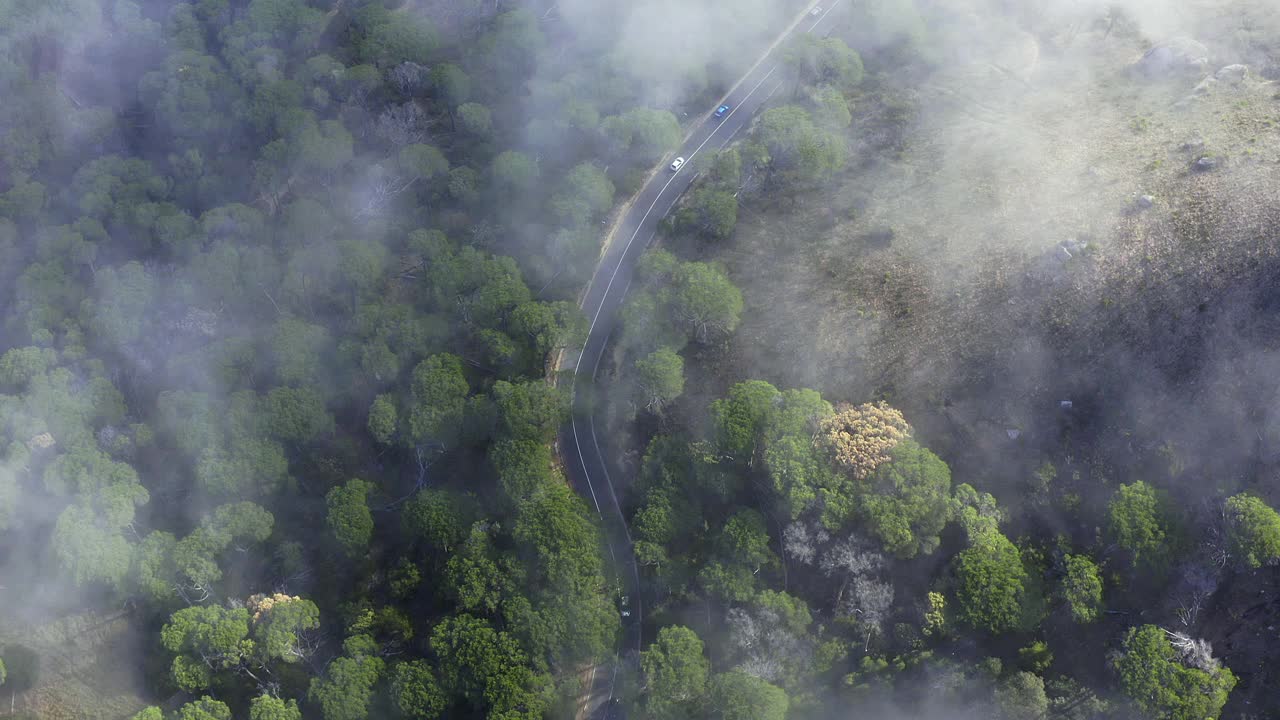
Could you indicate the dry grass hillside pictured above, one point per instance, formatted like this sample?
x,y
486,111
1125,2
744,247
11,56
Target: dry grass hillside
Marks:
x,y
1045,217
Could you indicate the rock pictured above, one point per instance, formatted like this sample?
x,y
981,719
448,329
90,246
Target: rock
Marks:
x,y
1205,164
1172,58
1192,145
1205,86
1144,201
1233,74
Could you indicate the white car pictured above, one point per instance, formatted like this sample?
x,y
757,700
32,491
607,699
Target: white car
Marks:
x,y
677,164
816,9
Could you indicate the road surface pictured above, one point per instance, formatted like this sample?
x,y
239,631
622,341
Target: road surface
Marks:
x,y
581,448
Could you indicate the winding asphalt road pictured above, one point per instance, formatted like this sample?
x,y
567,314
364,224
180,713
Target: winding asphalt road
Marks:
x,y
581,448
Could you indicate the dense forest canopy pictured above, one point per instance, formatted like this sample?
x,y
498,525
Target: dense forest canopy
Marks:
x,y
281,282
906,417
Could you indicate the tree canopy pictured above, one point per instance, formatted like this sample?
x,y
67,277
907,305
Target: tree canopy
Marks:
x,y
990,584
1162,684
1253,531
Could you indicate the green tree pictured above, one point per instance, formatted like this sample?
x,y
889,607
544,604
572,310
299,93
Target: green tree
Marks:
x,y
346,690
744,539
739,419
188,419
530,410
795,149
575,620
349,517
250,468
1253,531
477,576
123,297
735,695
206,639
726,170
1022,697
1082,588
509,50
419,161
824,60
524,467
1152,675
206,708
710,212
299,348
297,414
906,501
797,467
190,566
187,94
269,707
440,517
438,392
1035,657
416,692
88,543
513,174
1140,523
990,579
704,300
548,326
642,135
488,668
676,674
830,109
383,419
660,378
451,84
583,195
392,41
474,119
20,365
464,185
279,625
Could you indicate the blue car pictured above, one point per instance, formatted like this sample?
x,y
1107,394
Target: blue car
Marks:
x,y
722,111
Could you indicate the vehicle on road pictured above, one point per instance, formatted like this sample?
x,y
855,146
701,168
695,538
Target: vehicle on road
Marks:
x,y
816,10
722,111
677,164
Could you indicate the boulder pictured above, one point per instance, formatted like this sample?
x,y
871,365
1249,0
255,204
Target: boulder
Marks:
x,y
1173,58
1205,164
1233,74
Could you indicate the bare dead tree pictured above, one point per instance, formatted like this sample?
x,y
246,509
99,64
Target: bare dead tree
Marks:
x,y
1195,586
1196,653
401,125
409,78
385,182
766,644
801,541
870,602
